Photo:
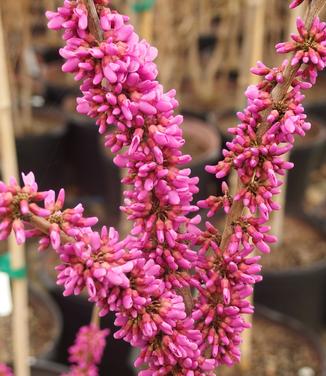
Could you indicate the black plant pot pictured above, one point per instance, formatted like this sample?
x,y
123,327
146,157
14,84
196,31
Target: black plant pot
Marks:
x,y
55,94
317,112
76,312
306,337
317,217
297,292
203,144
92,171
40,367
88,168
49,314
44,154
55,89
57,321
306,158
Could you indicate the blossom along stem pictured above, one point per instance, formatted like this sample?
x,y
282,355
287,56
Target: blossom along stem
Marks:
x,y
86,352
44,226
277,94
140,277
5,371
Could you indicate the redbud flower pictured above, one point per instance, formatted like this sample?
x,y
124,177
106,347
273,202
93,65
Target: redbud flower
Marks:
x,y
5,371
87,351
295,3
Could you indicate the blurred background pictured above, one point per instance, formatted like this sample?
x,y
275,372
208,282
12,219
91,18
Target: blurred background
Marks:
x,y
206,48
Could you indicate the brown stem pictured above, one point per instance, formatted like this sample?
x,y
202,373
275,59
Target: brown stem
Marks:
x,y
95,320
277,95
93,19
43,225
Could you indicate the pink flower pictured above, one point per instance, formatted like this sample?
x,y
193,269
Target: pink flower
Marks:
x,y
87,351
5,371
295,3
309,46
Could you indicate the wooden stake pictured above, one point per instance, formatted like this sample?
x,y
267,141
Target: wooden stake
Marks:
x,y
146,22
253,45
25,77
252,52
278,217
9,168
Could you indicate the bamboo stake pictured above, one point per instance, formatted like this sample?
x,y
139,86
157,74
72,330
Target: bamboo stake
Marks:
x,y
277,221
253,45
26,80
146,22
252,52
9,168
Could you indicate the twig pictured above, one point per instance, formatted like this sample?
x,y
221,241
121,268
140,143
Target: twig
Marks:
x,y
93,19
277,95
43,225
95,320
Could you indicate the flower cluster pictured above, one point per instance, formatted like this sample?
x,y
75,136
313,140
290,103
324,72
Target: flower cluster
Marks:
x,y
86,353
5,371
226,267
119,89
146,278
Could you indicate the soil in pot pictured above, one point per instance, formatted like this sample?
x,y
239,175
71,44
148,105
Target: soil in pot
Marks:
x,y
302,246
93,172
305,155
315,203
280,349
294,274
44,325
317,114
56,85
203,144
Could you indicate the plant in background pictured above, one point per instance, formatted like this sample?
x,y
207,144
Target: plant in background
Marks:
x,y
147,278
87,351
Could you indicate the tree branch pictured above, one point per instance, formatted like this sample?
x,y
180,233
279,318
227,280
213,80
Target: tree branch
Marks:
x,y
277,95
93,20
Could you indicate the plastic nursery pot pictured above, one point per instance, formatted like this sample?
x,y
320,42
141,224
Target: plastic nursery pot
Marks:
x,y
317,113
41,367
56,86
45,325
317,217
93,173
43,151
203,144
76,312
294,275
281,346
305,156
